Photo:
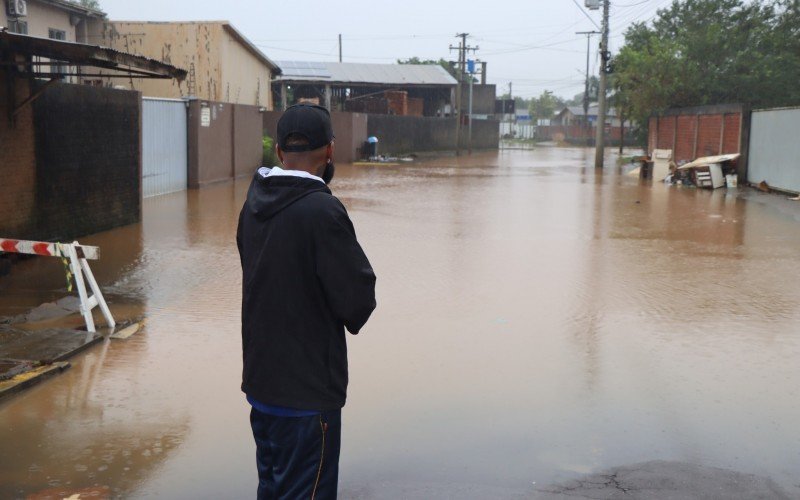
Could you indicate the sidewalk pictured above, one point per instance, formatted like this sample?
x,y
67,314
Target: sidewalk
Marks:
x,y
35,346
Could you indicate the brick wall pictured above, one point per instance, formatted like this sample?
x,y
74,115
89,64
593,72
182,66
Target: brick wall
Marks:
x,y
88,160
397,101
17,166
416,106
72,164
701,131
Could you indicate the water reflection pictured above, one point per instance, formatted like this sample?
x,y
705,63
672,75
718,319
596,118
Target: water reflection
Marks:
x,y
537,318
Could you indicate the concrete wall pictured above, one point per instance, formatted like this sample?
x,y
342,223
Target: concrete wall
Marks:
x,y
228,147
408,134
245,79
72,164
350,130
41,17
774,148
398,134
483,97
702,131
247,136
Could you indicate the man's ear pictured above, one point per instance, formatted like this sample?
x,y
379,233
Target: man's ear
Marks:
x,y
330,150
279,153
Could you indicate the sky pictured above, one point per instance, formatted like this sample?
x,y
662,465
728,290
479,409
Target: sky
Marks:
x,y
531,43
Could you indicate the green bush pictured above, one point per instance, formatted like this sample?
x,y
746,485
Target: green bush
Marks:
x,y
269,158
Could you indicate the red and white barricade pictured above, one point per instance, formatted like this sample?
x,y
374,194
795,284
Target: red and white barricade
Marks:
x,y
78,256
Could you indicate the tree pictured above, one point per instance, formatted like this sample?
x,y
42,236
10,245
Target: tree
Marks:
x,y
441,62
700,52
89,4
544,106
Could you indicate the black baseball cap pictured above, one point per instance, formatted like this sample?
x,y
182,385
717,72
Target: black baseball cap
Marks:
x,y
307,120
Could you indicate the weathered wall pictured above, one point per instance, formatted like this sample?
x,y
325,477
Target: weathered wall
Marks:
x,y
702,131
229,146
179,44
224,69
72,165
245,79
774,148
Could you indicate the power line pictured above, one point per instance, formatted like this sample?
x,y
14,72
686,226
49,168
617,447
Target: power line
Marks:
x,y
585,13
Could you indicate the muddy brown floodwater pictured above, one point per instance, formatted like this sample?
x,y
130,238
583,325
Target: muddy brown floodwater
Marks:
x,y
535,321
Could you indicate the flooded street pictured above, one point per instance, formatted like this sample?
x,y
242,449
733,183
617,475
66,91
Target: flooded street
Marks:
x,y
536,321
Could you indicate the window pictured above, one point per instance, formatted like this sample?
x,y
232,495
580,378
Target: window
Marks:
x,y
17,26
57,34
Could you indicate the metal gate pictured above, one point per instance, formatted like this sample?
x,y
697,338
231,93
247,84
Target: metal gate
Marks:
x,y
164,151
774,148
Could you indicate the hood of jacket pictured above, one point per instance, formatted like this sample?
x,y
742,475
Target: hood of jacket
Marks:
x,y
270,194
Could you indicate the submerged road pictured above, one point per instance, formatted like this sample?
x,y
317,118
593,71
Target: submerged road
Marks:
x,y
537,321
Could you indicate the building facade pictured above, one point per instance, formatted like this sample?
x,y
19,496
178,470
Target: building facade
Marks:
x,y
56,19
223,65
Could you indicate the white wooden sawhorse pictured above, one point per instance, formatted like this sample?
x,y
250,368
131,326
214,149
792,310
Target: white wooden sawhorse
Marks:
x,y
78,256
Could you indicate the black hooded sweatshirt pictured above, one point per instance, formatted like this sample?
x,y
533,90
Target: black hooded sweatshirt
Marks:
x,y
305,279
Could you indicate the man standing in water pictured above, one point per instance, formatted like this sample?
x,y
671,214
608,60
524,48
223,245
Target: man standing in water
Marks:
x,y
305,279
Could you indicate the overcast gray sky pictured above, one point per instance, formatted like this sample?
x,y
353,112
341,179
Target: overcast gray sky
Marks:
x,y
529,42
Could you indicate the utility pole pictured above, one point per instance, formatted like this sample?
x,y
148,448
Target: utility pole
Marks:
x,y
340,47
462,62
605,55
586,86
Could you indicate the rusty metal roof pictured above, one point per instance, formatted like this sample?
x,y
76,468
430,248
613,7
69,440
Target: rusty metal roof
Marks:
x,y
86,55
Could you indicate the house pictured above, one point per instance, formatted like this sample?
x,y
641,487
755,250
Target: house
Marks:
x,y
223,65
397,89
573,115
56,20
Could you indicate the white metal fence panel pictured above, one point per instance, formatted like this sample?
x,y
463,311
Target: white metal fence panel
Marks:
x,y
164,149
774,148
517,130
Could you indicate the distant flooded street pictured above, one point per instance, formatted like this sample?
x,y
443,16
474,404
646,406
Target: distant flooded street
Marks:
x,y
536,320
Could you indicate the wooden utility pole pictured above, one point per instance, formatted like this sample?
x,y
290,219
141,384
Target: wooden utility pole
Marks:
x,y
605,55
340,47
586,85
462,63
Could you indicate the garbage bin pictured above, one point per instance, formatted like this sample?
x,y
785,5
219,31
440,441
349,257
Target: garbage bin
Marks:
x,y
371,146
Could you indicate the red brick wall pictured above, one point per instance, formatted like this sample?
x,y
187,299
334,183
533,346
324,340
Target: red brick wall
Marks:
x,y
17,166
700,132
398,101
684,141
70,166
666,132
415,106
733,123
709,135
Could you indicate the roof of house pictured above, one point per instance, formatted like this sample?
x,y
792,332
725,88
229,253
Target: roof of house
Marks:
x,y
250,47
361,73
88,55
227,26
74,7
578,110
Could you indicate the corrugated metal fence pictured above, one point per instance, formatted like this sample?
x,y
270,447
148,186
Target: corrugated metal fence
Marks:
x,y
164,150
775,148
